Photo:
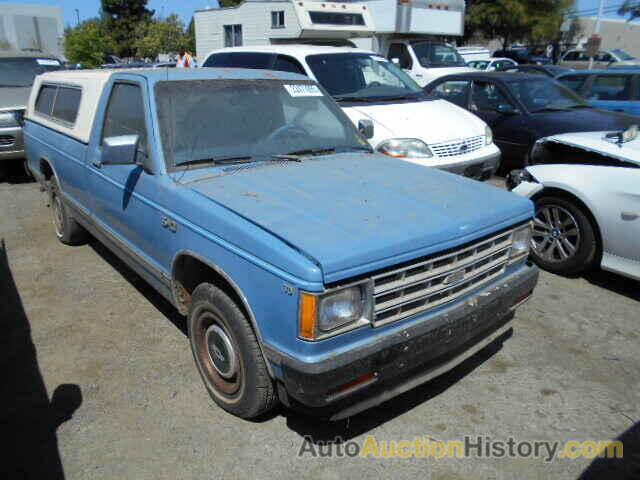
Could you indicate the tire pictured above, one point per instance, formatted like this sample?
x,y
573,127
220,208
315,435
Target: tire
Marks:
x,y
227,354
564,239
67,229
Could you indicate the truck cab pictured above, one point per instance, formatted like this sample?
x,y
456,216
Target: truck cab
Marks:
x,y
311,270
425,60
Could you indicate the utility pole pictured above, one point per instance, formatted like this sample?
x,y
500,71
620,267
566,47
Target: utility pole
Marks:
x,y
596,30
77,16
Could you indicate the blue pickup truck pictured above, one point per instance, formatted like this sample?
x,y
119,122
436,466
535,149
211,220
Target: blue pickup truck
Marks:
x,y
312,271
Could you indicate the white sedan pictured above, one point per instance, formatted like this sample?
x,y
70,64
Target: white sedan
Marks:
x,y
493,64
588,210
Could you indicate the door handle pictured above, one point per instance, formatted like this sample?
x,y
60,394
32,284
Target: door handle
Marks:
x,y
419,75
629,215
96,163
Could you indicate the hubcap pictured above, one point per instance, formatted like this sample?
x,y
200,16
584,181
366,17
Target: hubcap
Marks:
x,y
221,351
556,234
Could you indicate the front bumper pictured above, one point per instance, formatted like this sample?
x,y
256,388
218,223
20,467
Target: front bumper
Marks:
x,y
11,143
481,168
406,357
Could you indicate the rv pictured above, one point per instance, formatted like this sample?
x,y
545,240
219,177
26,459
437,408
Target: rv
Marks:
x,y
408,32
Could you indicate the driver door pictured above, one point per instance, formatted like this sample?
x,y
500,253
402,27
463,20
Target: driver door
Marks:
x,y
486,100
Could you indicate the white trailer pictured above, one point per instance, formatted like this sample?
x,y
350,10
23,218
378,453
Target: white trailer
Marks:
x,y
407,31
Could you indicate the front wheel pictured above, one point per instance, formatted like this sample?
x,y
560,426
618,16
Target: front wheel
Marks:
x,y
564,239
227,354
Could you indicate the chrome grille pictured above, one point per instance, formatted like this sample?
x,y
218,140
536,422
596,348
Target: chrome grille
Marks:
x,y
418,287
6,140
459,147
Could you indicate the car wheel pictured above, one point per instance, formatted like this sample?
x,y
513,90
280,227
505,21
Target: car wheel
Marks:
x,y
67,229
227,354
564,239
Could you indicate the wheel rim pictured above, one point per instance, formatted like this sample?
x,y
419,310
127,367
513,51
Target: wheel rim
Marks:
x,y
217,354
58,219
556,234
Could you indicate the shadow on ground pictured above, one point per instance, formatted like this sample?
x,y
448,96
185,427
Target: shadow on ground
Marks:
x,y
156,299
14,172
614,282
625,468
28,419
305,425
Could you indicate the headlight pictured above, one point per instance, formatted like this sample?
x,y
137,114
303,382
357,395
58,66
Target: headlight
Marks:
x,y
405,147
10,118
488,135
336,311
521,243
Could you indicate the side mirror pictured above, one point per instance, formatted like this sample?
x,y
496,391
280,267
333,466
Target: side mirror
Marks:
x,y
506,109
120,150
396,61
365,127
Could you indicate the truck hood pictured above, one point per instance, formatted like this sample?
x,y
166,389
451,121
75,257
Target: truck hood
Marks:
x,y
353,213
14,98
432,121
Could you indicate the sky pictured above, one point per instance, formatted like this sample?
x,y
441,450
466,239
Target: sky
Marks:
x,y
185,8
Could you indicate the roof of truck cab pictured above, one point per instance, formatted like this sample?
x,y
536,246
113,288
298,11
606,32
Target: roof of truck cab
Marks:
x,y
92,83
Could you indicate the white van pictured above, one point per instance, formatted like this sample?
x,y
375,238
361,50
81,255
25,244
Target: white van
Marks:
x,y
371,90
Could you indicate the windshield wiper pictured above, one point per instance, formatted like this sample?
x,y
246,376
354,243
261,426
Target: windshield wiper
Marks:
x,y
11,85
577,105
551,109
295,156
353,99
230,160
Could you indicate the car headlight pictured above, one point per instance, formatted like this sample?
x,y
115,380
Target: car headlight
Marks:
x,y
405,148
336,311
520,243
10,118
488,135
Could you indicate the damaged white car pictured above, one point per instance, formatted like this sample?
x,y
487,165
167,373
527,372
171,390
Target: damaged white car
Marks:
x,y
588,207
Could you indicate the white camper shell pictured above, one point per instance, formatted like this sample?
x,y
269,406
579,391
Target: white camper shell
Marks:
x,y
382,26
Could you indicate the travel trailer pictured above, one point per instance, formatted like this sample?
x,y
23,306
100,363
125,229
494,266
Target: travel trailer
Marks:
x,y
409,32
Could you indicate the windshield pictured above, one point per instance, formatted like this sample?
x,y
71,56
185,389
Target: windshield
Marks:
x,y
362,76
622,55
20,72
545,94
437,55
214,120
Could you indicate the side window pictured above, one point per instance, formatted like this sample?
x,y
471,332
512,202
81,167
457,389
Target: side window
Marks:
x,y
571,56
125,113
233,35
583,57
400,51
277,19
611,87
604,57
67,104
455,91
574,82
44,103
285,63
486,97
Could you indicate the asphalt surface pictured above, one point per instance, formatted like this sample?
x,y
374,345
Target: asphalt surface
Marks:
x,y
99,381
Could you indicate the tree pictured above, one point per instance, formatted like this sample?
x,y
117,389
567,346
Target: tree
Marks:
x,y
123,19
532,20
161,36
191,36
229,3
630,8
87,43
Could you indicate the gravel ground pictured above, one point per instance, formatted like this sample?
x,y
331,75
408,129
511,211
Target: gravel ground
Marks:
x,y
101,382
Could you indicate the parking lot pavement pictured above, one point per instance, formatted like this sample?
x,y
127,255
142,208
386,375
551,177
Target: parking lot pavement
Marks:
x,y
132,405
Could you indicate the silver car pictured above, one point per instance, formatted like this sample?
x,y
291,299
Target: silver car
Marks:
x,y
579,59
17,72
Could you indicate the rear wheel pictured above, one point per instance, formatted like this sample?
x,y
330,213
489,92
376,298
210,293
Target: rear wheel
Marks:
x,y
67,229
564,239
227,354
